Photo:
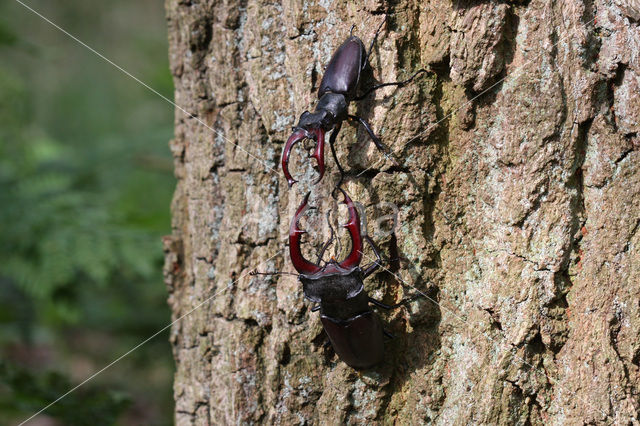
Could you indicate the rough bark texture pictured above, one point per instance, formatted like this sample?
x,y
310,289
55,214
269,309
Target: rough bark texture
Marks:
x,y
517,193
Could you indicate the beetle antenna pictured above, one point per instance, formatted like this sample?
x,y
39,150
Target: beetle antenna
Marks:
x,y
351,30
338,186
255,272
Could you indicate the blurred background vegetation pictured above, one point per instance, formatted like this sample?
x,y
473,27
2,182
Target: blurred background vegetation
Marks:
x,y
85,186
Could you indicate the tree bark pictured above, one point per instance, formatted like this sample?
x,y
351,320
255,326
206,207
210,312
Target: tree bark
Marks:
x,y
514,199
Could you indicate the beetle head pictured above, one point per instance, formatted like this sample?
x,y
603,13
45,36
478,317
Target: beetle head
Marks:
x,y
319,119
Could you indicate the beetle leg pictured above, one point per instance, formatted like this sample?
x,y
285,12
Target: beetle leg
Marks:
x,y
380,304
397,305
389,335
332,140
315,308
326,245
372,135
376,264
375,36
302,265
395,83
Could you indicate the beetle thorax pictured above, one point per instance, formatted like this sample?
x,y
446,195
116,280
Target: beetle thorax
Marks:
x,y
335,104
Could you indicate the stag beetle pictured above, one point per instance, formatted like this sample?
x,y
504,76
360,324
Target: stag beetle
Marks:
x,y
354,330
344,77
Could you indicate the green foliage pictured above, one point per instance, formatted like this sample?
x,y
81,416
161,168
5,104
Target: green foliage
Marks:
x,y
66,220
7,37
85,188
23,392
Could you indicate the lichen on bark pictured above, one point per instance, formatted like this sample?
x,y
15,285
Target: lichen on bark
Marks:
x,y
515,195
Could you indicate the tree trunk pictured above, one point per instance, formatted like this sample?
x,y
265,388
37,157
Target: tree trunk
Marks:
x,y
512,211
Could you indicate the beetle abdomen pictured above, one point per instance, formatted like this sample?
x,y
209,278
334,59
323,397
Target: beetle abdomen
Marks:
x,y
343,72
357,341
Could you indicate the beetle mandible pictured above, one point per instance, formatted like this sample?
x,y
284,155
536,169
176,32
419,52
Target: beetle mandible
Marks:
x,y
348,70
